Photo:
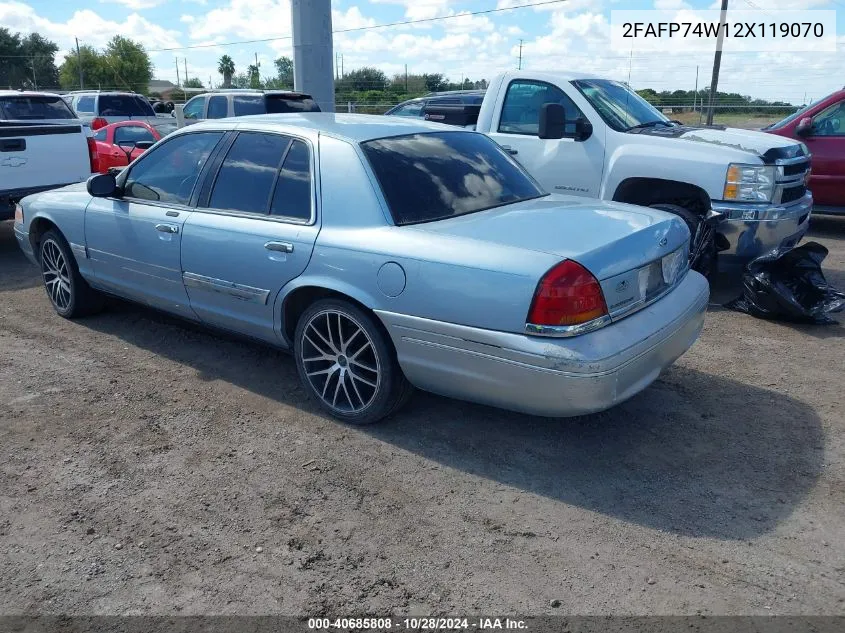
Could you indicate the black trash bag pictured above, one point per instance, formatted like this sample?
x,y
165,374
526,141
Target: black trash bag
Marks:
x,y
788,284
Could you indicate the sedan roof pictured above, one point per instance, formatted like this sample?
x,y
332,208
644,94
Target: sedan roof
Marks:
x,y
350,127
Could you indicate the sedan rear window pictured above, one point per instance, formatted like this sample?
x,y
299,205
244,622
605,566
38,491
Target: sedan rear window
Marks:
x,y
124,105
34,108
433,176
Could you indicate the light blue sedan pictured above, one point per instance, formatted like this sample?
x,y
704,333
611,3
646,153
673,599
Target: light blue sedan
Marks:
x,y
385,254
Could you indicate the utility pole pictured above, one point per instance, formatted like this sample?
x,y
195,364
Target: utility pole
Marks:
x,y
695,93
341,65
34,78
186,68
311,22
406,77
178,83
520,55
79,63
717,62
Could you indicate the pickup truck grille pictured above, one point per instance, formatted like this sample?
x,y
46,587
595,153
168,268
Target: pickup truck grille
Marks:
x,y
791,179
792,193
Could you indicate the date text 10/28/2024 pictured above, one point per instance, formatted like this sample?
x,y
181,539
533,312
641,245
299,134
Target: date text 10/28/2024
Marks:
x,y
416,624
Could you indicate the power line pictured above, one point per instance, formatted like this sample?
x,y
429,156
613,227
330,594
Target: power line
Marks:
x,y
369,27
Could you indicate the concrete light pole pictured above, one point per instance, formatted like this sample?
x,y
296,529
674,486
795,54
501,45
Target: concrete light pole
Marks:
x,y
312,50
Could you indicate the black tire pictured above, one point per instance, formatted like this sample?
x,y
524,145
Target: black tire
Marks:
x,y
355,392
702,238
69,293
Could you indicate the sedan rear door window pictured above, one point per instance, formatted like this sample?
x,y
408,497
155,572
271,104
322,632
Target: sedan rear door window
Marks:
x,y
169,172
292,198
248,173
433,176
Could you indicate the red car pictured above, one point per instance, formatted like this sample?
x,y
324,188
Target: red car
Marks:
x,y
821,126
124,141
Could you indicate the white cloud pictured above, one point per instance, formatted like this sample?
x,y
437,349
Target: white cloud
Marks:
x,y
91,28
671,4
136,5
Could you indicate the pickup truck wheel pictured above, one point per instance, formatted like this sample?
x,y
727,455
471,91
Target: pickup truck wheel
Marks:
x,y
347,363
702,238
69,293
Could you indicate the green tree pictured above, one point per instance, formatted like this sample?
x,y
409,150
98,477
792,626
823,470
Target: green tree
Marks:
x,y
128,63
284,72
241,80
366,78
193,82
226,67
435,82
27,62
93,73
252,72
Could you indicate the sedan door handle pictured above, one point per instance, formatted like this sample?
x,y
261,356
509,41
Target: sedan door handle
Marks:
x,y
510,150
167,228
279,247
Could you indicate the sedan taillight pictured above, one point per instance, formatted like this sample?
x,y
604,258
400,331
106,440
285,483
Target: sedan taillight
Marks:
x,y
99,122
93,159
567,295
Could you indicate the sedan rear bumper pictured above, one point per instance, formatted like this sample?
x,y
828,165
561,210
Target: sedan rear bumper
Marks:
x,y
551,377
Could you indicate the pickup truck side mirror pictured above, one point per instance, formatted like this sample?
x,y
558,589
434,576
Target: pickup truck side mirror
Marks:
x,y
552,121
805,126
102,185
583,129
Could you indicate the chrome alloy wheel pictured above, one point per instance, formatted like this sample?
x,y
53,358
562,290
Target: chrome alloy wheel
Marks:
x,y
340,361
54,267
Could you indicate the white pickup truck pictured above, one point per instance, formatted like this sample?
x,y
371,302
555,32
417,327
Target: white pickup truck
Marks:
x,y
42,146
588,136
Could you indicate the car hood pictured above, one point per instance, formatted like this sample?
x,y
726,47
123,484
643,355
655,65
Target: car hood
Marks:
x,y
766,146
608,238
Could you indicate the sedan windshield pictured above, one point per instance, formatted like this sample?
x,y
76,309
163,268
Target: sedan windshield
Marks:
x,y
428,177
619,106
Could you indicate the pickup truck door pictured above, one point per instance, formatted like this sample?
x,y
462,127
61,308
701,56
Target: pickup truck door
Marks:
x,y
252,232
826,143
560,165
134,241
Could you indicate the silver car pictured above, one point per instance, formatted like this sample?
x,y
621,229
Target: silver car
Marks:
x,y
385,253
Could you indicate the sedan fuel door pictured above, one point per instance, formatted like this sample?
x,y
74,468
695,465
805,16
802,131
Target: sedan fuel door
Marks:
x,y
134,240
573,164
253,232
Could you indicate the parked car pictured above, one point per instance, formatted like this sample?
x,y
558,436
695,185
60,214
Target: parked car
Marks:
x,y
118,144
99,108
42,146
602,140
821,126
416,107
221,104
451,270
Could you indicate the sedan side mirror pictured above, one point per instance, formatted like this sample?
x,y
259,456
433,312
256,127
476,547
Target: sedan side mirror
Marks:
x,y
552,121
583,129
102,185
805,126
145,145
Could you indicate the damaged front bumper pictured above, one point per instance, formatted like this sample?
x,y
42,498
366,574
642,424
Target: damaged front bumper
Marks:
x,y
753,229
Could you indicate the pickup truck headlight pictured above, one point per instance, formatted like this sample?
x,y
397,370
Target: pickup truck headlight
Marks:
x,y
750,183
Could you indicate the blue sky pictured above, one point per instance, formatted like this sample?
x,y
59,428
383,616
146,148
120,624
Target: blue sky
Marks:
x,y
571,35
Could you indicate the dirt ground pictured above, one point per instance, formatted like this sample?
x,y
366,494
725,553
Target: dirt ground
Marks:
x,y
148,466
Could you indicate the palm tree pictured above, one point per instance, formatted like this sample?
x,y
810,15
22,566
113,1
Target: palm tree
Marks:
x,y
226,67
